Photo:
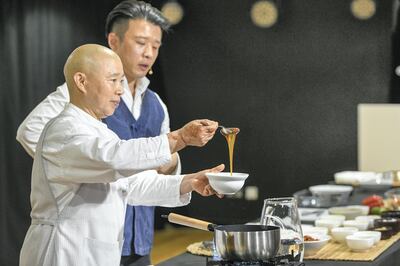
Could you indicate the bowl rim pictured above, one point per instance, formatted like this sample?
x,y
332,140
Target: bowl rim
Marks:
x,y
226,176
330,189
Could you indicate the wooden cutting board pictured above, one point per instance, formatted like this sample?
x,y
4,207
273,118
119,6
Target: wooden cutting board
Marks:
x,y
338,251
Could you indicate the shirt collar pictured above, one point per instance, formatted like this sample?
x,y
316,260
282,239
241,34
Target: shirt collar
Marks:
x,y
141,87
71,108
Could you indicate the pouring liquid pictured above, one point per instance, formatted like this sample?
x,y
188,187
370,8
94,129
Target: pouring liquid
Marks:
x,y
230,138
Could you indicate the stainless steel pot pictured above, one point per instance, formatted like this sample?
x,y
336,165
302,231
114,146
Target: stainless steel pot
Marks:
x,y
237,242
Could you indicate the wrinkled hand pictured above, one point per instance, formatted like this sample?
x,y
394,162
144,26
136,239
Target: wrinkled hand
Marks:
x,y
200,182
198,132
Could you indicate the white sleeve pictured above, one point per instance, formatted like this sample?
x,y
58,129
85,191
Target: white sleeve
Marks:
x,y
29,131
152,189
165,128
80,155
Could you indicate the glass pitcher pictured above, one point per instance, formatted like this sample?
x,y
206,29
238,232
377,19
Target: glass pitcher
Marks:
x,y
283,212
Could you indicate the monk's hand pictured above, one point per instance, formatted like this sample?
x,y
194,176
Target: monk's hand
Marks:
x,y
198,132
200,182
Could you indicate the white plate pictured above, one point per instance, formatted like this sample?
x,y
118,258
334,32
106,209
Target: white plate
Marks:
x,y
330,189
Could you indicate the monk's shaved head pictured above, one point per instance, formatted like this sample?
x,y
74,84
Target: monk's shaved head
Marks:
x,y
94,76
85,59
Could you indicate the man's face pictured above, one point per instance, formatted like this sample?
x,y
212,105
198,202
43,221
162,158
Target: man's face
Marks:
x,y
105,87
139,48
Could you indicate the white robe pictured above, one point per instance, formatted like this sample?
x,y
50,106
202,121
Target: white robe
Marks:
x,y
81,182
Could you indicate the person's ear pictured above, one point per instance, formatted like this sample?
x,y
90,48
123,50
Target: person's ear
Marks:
x,y
113,41
80,82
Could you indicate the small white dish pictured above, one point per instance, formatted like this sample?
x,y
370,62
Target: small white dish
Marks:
x,y
225,183
375,234
339,233
368,218
361,225
363,208
349,213
337,217
359,243
353,177
328,223
312,247
315,230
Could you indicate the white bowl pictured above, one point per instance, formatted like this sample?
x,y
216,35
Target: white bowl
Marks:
x,y
330,195
359,243
368,218
353,177
339,233
349,213
375,234
315,230
363,208
328,223
337,217
361,225
312,247
225,183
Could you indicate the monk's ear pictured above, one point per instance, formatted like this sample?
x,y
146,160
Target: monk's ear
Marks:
x,y
113,41
80,80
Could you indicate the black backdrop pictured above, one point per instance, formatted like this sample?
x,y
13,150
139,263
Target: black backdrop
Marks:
x,y
293,90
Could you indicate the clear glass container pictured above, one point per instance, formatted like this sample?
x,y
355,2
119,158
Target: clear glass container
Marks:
x,y
283,212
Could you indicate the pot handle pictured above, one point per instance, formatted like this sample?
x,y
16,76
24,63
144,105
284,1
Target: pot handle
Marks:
x,y
190,222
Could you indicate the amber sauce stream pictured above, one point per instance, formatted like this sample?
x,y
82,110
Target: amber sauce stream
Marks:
x,y
230,139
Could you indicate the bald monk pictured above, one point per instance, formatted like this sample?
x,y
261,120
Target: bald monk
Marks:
x,y
83,174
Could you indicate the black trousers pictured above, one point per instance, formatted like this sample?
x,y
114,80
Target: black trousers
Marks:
x,y
135,260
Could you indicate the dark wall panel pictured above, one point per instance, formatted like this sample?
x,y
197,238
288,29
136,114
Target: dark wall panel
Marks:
x,y
292,89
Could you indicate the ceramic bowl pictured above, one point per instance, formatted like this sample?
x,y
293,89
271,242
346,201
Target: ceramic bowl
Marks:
x,y
353,177
312,247
361,225
367,218
376,235
359,243
339,233
328,223
331,195
337,217
363,209
315,230
349,213
225,183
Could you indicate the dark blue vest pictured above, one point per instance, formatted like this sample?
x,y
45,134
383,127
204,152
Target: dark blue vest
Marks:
x,y
139,220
